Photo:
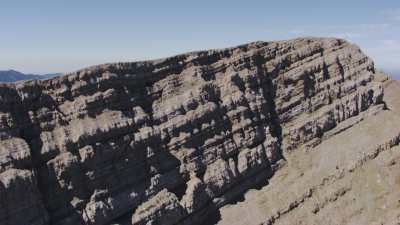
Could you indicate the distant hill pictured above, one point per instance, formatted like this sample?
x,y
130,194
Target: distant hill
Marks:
x,y
12,76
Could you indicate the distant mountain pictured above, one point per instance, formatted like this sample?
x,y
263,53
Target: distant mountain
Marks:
x,y
12,76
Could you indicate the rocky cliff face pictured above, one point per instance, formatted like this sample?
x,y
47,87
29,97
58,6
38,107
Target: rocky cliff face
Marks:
x,y
169,141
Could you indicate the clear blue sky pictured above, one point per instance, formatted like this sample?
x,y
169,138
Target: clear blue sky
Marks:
x,y
60,36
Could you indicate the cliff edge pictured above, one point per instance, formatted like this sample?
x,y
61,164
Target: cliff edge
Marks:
x,y
170,141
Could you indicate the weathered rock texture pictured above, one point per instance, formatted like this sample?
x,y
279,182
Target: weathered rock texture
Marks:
x,y
168,141
352,178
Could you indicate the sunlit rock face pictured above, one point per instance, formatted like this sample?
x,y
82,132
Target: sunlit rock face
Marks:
x,y
170,141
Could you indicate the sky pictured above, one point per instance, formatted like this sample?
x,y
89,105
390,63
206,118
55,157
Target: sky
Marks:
x,y
46,36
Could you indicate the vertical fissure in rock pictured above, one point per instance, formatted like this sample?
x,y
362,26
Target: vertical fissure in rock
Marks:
x,y
309,85
341,69
325,71
269,93
30,133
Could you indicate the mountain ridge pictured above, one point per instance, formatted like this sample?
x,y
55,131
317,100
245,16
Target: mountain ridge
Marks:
x,y
13,76
172,141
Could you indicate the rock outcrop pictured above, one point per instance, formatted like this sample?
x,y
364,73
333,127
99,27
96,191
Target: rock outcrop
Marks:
x,y
169,141
351,178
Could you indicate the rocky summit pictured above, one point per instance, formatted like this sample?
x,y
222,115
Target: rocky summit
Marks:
x,y
282,132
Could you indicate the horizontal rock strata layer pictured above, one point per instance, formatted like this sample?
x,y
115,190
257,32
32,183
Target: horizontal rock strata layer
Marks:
x,y
168,141
351,178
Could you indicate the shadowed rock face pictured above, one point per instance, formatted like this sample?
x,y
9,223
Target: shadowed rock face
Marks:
x,y
169,141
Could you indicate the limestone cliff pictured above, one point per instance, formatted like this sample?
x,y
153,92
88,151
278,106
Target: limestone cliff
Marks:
x,y
171,140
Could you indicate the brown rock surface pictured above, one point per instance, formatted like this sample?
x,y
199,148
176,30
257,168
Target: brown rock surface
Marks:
x,y
180,136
